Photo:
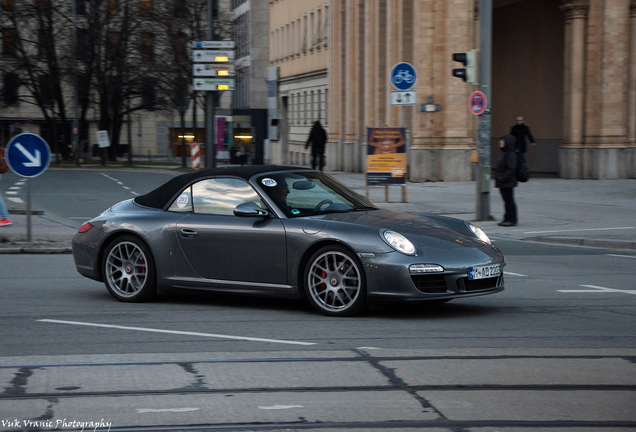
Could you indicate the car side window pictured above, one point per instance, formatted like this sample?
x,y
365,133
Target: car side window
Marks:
x,y
220,196
183,203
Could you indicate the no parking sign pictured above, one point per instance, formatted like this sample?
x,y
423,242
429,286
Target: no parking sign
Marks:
x,y
477,103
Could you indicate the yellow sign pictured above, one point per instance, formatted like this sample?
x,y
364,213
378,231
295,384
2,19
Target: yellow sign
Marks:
x,y
222,87
221,59
386,156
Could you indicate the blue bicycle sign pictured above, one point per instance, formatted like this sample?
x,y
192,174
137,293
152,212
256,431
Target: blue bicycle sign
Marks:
x,y
403,76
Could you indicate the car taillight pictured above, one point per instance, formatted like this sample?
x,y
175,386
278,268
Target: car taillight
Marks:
x,y
85,227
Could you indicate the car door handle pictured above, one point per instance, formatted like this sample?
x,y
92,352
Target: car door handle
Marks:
x,y
188,232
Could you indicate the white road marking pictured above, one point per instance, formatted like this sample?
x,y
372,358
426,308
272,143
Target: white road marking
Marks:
x,y
126,187
14,187
582,229
507,273
368,348
15,200
11,193
598,289
622,256
151,410
185,333
280,407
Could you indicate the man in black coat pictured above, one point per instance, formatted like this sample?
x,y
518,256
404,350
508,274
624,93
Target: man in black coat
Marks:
x,y
506,178
317,139
520,131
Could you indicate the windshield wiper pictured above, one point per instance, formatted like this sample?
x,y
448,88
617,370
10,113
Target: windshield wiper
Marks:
x,y
365,208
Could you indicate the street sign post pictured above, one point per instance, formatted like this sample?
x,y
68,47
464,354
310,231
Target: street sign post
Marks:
x,y
28,155
403,76
399,98
212,70
212,84
477,103
212,56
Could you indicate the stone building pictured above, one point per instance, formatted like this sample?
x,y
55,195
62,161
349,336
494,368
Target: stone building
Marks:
x,y
568,67
298,56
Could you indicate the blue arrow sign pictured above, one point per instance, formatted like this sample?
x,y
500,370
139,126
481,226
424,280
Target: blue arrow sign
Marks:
x,y
403,76
28,155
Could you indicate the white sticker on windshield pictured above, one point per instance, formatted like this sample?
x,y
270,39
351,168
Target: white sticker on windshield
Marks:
x,y
182,201
269,182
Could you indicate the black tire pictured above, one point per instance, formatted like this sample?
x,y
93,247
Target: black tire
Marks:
x,y
129,270
335,282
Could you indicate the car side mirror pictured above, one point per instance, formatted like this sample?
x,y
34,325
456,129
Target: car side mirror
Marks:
x,y
249,209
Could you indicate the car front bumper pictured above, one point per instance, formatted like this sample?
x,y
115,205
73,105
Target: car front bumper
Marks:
x,y
389,279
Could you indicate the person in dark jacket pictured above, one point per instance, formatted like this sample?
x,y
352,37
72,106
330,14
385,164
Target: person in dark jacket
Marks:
x,y
520,131
506,178
317,139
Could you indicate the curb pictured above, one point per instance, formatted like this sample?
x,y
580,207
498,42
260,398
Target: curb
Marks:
x,y
607,244
34,249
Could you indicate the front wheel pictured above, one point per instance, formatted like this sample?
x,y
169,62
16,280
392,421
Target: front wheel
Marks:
x,y
129,270
334,282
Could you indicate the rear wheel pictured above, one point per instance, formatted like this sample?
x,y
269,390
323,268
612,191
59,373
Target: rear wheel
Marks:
x,y
334,282
129,270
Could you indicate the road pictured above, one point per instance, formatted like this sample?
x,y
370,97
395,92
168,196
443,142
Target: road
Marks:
x,y
554,351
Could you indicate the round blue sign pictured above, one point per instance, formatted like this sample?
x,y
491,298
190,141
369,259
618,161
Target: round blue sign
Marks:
x,y
403,76
28,155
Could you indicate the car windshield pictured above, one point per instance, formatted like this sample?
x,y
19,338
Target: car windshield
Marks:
x,y
311,193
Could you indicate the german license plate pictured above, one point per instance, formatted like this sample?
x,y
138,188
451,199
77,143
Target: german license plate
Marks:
x,y
483,272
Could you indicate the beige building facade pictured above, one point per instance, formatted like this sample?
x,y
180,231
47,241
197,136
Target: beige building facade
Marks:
x,y
567,66
299,53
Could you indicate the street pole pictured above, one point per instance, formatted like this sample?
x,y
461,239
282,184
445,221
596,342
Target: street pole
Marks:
x,y
483,130
75,131
210,108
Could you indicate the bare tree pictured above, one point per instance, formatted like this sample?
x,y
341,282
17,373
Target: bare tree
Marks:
x,y
181,22
38,35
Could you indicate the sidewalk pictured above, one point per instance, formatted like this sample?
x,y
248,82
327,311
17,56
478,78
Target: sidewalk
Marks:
x,y
599,213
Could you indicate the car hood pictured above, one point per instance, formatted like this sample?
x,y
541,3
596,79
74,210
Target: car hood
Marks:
x,y
422,231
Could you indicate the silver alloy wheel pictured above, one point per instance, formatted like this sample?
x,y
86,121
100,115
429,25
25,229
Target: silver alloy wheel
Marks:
x,y
334,281
126,269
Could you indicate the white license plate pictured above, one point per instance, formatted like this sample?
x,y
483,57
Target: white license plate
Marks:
x,y
483,272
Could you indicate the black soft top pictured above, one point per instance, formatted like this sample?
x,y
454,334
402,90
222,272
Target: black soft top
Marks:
x,y
164,194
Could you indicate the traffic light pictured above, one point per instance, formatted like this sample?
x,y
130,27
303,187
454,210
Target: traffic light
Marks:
x,y
469,72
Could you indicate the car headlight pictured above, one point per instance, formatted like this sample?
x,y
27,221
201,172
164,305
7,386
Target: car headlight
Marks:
x,y
479,233
398,242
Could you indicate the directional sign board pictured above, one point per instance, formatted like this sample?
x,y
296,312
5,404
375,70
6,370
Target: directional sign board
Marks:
x,y
212,84
28,155
477,103
403,97
212,70
212,56
213,44
403,76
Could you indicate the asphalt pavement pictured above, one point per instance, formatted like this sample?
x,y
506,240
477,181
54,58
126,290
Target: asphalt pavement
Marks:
x,y
594,213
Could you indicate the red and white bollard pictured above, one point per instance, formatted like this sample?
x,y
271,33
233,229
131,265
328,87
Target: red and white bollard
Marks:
x,y
195,151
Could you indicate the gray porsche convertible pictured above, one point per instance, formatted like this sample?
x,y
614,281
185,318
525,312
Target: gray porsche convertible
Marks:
x,y
283,231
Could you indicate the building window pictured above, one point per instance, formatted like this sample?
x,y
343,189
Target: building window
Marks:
x,y
180,9
326,106
146,8
8,5
44,43
10,89
180,50
43,5
112,45
82,44
147,47
113,7
325,27
80,7
148,94
8,43
45,90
